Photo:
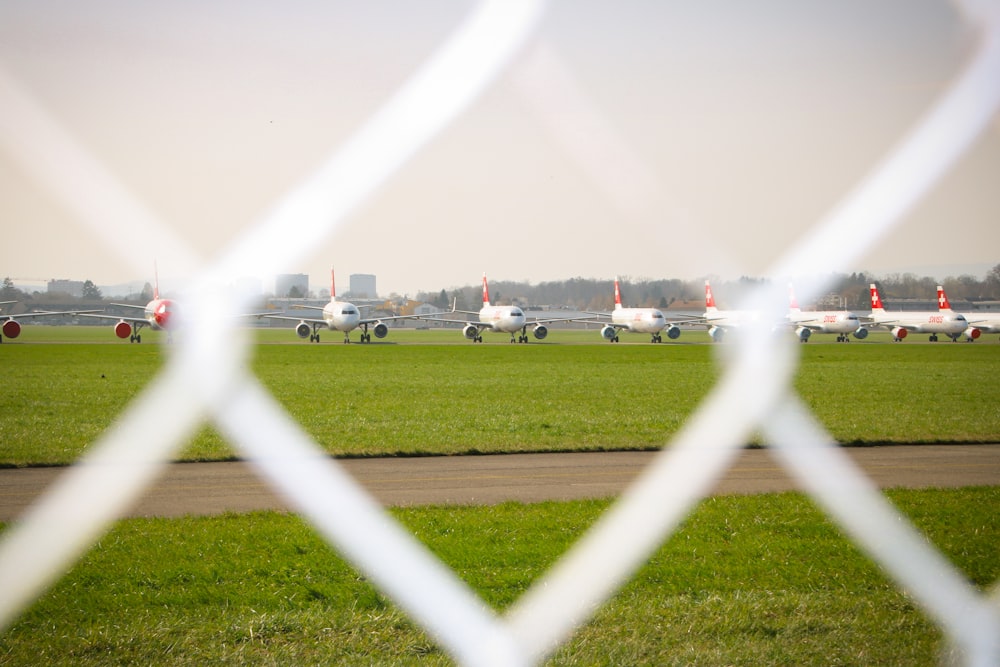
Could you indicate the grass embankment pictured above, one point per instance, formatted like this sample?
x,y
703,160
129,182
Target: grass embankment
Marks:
x,y
432,392
746,580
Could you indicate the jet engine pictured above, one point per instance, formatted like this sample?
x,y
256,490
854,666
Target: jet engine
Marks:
x,y
803,333
717,334
972,333
540,331
609,332
470,331
380,330
861,333
673,332
11,329
899,333
123,329
303,330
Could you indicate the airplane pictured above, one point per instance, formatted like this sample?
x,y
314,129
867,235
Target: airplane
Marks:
x,y
841,322
11,328
159,315
337,316
637,320
942,321
501,319
977,327
721,321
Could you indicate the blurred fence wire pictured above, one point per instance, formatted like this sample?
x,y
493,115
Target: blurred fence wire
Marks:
x,y
206,379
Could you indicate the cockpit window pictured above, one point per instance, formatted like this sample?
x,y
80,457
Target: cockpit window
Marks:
x,y
349,311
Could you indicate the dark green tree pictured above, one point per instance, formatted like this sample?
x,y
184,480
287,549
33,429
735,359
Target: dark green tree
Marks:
x,y
91,291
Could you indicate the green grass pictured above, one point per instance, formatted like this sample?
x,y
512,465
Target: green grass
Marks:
x,y
432,392
746,580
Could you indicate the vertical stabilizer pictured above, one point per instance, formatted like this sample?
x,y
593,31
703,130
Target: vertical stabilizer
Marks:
x,y
943,303
333,286
486,292
876,299
156,281
793,303
709,299
618,295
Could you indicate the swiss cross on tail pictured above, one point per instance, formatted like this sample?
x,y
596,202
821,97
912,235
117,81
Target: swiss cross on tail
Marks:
x,y
876,299
709,299
618,295
486,292
942,299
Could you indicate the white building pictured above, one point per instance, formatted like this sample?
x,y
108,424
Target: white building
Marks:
x,y
363,286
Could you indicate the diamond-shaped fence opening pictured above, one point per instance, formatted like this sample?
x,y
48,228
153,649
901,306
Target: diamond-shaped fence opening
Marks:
x,y
205,379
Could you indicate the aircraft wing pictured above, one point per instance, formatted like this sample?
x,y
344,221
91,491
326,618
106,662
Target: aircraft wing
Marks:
x,y
41,313
373,320
434,318
291,318
116,318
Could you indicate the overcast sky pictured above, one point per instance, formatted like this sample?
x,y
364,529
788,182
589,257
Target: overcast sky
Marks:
x,y
746,121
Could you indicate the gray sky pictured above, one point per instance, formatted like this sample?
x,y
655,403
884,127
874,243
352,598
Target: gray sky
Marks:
x,y
643,139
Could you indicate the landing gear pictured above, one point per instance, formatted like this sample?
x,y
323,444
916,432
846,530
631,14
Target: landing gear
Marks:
x,y
657,338
135,338
933,338
314,338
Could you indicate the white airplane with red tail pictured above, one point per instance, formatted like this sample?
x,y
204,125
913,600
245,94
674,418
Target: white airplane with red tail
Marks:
x,y
901,323
720,321
841,322
159,315
978,326
338,316
500,319
637,320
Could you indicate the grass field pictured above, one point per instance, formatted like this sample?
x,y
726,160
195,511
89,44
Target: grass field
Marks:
x,y
764,580
432,392
758,580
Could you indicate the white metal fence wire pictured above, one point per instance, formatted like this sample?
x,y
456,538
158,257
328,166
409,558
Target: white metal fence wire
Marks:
x,y
205,378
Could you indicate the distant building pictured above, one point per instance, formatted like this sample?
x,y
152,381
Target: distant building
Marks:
x,y
71,287
291,284
363,285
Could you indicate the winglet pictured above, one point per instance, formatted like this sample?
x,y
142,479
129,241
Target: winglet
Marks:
x,y
876,299
943,303
486,291
709,299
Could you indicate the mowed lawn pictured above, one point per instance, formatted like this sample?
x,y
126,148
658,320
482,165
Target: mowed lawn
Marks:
x,y
432,392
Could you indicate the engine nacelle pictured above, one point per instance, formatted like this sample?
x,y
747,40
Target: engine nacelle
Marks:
x,y
803,333
123,329
673,332
608,332
861,333
470,331
540,332
717,334
899,333
972,333
11,329
303,330
380,330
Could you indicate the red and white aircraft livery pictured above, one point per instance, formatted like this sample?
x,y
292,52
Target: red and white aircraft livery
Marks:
x,y
841,322
978,326
942,321
338,316
11,328
159,315
720,321
637,320
501,319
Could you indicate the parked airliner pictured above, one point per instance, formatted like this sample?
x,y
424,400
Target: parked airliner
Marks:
x,y
978,326
500,319
841,322
159,315
720,321
636,320
338,316
901,323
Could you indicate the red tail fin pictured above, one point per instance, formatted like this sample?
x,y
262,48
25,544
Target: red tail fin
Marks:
x,y
156,281
942,299
709,299
486,292
792,301
618,295
876,299
333,286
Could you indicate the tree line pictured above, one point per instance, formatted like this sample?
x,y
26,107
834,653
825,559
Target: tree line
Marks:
x,y
847,290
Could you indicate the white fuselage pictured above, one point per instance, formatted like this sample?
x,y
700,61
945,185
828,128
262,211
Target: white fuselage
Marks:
x,y
506,319
341,316
639,320
929,322
826,321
